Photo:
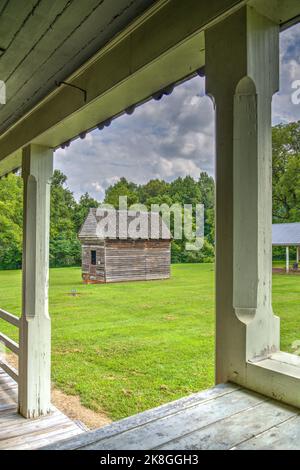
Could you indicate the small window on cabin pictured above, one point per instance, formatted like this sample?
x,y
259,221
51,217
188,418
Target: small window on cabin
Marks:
x,y
93,257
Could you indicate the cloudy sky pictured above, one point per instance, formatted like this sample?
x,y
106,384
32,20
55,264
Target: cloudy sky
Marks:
x,y
166,139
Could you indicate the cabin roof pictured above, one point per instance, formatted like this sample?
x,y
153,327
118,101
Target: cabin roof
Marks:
x,y
121,224
286,234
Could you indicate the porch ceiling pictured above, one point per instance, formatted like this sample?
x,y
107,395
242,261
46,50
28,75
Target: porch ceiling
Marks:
x,y
43,41
46,41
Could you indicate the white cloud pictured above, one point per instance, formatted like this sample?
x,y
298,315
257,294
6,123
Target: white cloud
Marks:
x,y
98,187
283,108
177,167
166,139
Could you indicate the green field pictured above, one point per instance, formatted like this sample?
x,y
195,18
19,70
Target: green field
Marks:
x,y
124,348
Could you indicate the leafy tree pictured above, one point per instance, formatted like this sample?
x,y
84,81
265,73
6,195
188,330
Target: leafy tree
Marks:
x,y
62,206
11,220
86,202
207,188
185,191
286,173
122,188
64,245
153,190
286,177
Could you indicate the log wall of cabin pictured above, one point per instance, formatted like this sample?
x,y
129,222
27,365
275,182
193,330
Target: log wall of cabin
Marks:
x,y
126,260
137,260
93,273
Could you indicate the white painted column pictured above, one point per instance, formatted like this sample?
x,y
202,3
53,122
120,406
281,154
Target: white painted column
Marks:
x,y
35,329
242,69
297,254
287,259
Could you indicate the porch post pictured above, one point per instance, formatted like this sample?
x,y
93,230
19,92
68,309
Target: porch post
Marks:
x,y
242,69
35,333
287,259
297,254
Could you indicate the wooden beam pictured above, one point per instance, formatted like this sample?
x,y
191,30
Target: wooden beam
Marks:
x,y
285,13
11,371
9,343
12,319
246,326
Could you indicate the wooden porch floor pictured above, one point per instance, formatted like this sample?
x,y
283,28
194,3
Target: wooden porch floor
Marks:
x,y
18,433
225,417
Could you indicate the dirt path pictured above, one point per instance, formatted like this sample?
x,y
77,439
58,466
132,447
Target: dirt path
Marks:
x,y
292,272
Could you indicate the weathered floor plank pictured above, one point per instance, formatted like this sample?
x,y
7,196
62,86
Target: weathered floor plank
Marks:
x,y
18,433
285,436
186,421
222,418
149,416
231,431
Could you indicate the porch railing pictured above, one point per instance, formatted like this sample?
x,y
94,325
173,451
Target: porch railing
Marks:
x,y
9,344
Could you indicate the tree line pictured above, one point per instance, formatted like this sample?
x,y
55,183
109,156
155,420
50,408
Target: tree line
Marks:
x,y
67,214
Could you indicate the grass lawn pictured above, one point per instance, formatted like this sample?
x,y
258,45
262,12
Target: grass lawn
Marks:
x,y
124,348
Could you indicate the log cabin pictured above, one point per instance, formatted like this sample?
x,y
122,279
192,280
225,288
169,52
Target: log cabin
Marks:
x,y
124,246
